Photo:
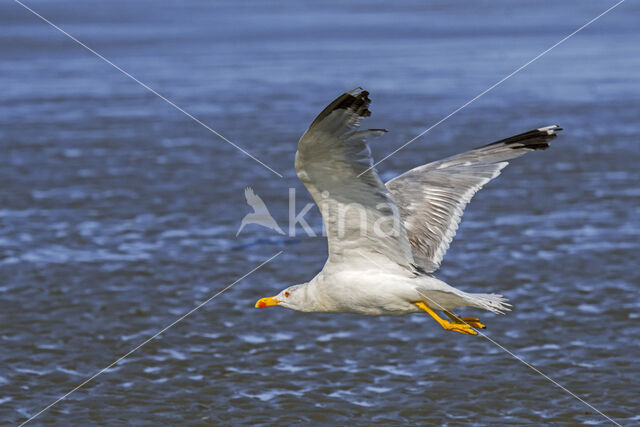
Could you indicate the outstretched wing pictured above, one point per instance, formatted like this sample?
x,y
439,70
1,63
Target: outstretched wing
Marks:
x,y
358,213
432,197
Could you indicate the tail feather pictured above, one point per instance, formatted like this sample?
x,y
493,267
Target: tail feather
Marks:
x,y
495,303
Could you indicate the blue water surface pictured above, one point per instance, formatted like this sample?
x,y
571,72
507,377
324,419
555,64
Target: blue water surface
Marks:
x,y
118,213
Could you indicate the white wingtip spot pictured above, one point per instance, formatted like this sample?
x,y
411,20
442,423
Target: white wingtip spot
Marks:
x,y
550,130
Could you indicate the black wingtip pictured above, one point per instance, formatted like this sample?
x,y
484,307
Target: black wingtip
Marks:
x,y
356,100
536,139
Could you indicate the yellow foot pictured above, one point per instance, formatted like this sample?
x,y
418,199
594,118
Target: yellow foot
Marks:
x,y
471,321
457,325
474,322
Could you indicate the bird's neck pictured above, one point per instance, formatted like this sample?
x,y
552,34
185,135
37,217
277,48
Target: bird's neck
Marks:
x,y
312,297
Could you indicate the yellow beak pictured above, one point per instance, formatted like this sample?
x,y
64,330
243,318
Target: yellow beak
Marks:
x,y
266,302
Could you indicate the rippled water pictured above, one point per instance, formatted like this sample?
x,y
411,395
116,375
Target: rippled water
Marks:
x,y
118,214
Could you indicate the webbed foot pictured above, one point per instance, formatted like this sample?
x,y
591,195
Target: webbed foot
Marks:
x,y
471,321
458,325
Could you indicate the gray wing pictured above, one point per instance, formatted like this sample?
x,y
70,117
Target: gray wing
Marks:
x,y
432,197
358,212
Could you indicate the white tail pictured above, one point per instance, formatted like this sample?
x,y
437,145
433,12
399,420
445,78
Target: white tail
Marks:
x,y
495,303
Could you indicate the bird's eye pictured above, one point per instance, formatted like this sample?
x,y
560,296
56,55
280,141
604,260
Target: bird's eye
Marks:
x,y
286,294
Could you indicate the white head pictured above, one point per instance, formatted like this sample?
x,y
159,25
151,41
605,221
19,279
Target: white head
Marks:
x,y
294,297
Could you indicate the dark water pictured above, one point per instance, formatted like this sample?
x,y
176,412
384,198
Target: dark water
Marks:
x,y
118,214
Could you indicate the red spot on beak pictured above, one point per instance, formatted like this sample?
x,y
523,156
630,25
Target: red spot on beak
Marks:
x,y
262,304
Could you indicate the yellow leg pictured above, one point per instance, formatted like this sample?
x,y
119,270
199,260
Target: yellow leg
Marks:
x,y
471,321
449,326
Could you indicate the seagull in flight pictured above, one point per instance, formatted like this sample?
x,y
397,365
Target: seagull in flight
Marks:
x,y
386,240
